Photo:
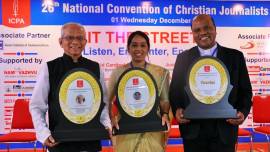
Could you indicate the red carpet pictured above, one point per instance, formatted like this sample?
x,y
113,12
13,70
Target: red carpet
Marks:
x,y
258,147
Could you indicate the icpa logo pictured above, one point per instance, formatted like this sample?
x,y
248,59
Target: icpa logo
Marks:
x,y
1,45
16,13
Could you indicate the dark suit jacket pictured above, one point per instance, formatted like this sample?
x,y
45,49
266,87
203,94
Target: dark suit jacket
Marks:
x,y
239,98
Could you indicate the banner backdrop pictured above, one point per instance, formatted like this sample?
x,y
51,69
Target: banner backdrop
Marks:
x,y
30,30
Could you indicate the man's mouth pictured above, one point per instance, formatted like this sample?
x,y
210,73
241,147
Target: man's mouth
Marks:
x,y
204,38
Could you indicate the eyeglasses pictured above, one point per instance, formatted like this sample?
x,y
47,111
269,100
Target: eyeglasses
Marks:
x,y
72,38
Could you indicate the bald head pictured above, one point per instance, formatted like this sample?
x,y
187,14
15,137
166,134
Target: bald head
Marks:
x,y
204,31
203,17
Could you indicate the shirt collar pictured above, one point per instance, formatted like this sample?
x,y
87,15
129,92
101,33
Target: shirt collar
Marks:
x,y
208,52
69,58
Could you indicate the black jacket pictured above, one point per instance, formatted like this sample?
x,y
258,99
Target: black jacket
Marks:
x,y
239,98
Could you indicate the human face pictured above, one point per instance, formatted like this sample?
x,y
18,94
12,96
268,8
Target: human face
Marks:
x,y
138,49
204,32
73,40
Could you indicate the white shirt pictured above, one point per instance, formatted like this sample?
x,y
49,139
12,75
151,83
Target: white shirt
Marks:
x,y
39,104
209,52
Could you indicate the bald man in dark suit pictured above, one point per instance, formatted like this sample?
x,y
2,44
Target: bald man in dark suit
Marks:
x,y
210,135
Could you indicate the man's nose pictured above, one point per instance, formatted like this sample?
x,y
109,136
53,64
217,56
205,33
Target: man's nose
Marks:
x,y
203,31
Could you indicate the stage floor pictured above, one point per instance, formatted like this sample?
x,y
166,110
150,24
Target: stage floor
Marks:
x,y
242,147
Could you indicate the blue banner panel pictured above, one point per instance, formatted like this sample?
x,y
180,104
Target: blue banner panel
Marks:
x,y
149,13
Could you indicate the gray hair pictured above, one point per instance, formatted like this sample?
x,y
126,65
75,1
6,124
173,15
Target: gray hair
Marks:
x,y
68,24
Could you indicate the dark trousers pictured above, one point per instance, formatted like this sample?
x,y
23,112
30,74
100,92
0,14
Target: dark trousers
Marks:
x,y
208,140
77,147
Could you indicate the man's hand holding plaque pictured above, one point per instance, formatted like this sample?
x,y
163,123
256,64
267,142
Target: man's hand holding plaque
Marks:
x,y
208,88
80,105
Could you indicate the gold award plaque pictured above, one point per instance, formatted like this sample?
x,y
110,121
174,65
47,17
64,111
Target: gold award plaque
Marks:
x,y
136,93
80,97
208,81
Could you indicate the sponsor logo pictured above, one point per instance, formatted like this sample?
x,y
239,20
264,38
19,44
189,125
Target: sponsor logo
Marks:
x,y
258,53
18,88
265,82
19,73
254,68
9,72
9,100
248,45
1,45
16,13
254,82
265,69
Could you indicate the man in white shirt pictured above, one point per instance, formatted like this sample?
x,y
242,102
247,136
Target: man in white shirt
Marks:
x,y
45,96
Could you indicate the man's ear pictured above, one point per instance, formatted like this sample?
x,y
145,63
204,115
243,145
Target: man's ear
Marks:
x,y
60,41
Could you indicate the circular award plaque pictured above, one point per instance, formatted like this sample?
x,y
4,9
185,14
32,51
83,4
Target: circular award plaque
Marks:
x,y
208,80
136,92
80,96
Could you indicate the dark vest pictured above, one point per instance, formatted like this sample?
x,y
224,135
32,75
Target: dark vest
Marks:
x,y
57,69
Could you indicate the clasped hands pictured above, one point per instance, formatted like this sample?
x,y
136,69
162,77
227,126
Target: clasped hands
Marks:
x,y
179,116
51,142
164,118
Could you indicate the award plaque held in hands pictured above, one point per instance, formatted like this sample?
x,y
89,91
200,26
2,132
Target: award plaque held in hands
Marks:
x,y
137,100
208,88
80,106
